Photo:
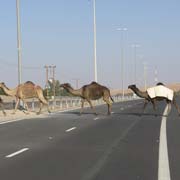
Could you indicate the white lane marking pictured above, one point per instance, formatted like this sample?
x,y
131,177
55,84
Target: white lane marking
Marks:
x,y
163,164
96,118
112,112
122,108
70,129
18,152
5,122
19,119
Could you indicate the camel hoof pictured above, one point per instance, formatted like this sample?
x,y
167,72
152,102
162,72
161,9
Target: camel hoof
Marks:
x,y
25,112
4,114
38,113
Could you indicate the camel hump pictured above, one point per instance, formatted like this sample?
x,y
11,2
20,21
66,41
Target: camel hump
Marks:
x,y
29,82
93,82
159,84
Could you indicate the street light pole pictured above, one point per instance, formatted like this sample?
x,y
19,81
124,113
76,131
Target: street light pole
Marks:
x,y
95,56
122,58
145,76
156,75
135,46
19,43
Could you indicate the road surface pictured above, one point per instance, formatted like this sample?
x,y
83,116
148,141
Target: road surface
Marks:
x,y
66,146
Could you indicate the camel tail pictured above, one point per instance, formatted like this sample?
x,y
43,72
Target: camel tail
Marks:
x,y
43,100
40,95
111,98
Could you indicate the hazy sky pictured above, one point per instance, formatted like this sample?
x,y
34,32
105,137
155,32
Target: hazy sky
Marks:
x,y
60,32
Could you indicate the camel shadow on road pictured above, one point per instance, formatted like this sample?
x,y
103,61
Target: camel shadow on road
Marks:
x,y
141,114
85,113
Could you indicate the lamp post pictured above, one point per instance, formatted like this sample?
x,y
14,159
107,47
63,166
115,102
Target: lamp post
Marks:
x,y
145,75
156,75
135,46
95,56
122,30
19,43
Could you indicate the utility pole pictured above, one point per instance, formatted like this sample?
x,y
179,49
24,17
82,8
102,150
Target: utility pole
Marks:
x,y
47,78
95,56
50,71
52,74
46,67
19,43
145,76
77,82
156,75
122,30
135,46
54,83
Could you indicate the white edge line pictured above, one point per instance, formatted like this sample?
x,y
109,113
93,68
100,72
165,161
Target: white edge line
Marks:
x,y
163,162
96,118
17,152
70,129
5,122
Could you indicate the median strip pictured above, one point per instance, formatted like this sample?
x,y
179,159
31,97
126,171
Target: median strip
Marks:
x,y
17,152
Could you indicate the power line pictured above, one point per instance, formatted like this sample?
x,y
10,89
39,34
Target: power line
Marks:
x,y
14,65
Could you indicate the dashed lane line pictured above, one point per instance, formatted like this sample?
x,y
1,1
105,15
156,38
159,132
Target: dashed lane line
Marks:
x,y
17,152
68,130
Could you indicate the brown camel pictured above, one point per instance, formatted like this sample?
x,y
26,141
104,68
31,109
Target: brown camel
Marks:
x,y
2,106
25,91
144,94
90,92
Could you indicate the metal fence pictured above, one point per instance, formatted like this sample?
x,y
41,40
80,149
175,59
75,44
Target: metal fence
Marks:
x,y
62,102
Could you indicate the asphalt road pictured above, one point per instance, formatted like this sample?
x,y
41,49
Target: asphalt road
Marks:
x,y
66,146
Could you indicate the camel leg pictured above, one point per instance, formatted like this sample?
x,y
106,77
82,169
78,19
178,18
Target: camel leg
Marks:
x,y
91,106
169,107
176,105
145,104
82,106
48,108
109,105
15,109
154,106
26,106
109,108
2,107
39,112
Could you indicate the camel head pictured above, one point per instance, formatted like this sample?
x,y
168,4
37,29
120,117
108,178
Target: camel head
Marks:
x,y
2,84
133,86
65,86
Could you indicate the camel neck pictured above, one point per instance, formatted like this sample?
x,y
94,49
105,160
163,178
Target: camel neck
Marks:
x,y
9,92
140,93
75,92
